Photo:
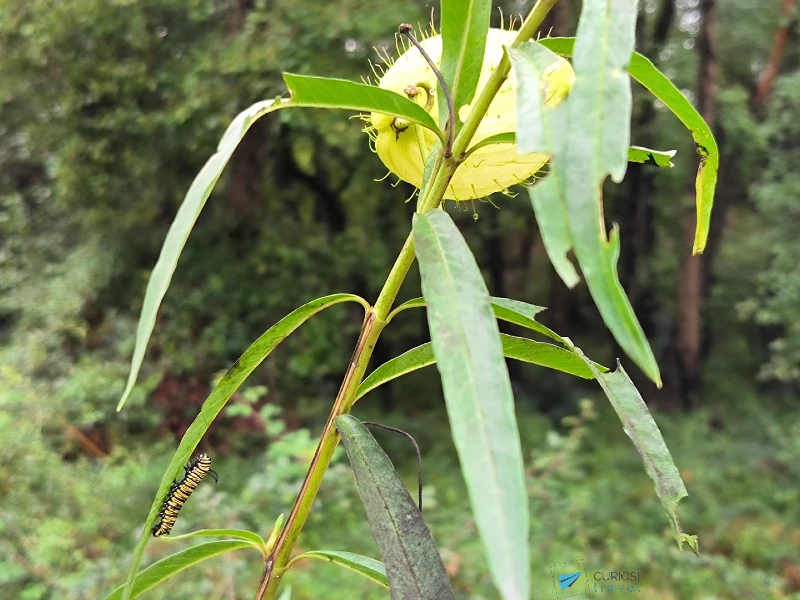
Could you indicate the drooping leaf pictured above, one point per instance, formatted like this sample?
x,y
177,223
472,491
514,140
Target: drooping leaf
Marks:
x,y
596,118
638,424
175,563
240,534
179,231
363,565
522,349
323,92
541,128
307,92
477,391
414,568
216,401
597,145
465,24
643,71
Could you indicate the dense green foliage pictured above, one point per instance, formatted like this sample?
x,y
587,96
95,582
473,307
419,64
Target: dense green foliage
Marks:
x,y
108,110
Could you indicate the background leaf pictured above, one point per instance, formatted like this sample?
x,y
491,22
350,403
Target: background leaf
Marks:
x,y
645,72
175,563
638,424
465,24
658,158
216,401
478,395
182,226
363,565
414,568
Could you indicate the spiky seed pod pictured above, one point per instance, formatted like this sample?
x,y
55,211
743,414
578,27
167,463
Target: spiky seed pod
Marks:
x,y
403,147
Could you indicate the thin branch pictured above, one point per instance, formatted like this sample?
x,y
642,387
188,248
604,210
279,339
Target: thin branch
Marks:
x,y
416,447
408,31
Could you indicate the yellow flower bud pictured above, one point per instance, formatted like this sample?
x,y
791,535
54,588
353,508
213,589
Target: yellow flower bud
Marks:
x,y
403,147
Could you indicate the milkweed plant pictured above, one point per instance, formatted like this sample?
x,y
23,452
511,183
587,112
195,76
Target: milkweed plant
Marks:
x,y
463,111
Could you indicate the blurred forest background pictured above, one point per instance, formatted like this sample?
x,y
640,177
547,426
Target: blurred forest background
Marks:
x,y
108,108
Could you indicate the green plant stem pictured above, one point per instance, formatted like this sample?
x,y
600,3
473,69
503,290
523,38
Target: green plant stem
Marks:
x,y
498,76
374,322
376,318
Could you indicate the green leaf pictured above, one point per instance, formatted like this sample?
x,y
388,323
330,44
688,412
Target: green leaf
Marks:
x,y
414,568
179,231
523,349
307,92
643,71
637,154
505,309
241,534
658,158
216,401
465,25
175,563
363,565
596,144
542,129
478,395
638,424
599,108
546,355
323,92
522,314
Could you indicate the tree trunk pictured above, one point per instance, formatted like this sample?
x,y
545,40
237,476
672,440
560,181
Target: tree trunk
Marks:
x,y
690,295
776,54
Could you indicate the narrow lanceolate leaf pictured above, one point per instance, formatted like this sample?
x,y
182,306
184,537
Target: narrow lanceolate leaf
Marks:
x,y
638,424
505,309
216,401
414,568
643,71
478,395
542,129
307,92
240,534
599,109
322,92
171,565
179,231
363,565
522,349
596,117
465,24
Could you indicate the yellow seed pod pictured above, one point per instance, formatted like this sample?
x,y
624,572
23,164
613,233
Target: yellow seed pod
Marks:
x,y
403,147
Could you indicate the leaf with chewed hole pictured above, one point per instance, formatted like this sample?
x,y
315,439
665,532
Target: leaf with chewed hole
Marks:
x,y
638,424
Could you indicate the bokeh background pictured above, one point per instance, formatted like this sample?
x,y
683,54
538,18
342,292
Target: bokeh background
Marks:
x,y
108,108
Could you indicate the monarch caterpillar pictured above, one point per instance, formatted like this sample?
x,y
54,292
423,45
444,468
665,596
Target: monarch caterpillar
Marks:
x,y
195,470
